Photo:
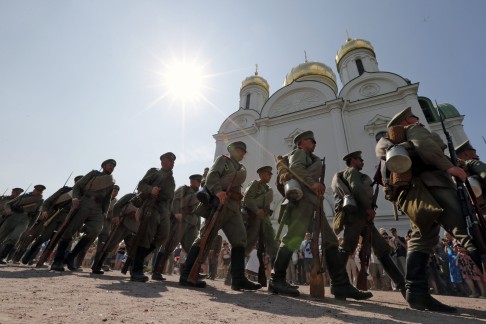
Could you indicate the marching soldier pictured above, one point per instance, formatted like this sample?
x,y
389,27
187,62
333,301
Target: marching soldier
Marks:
x,y
467,153
91,200
356,223
18,213
4,199
226,171
52,214
305,168
126,225
430,195
159,185
184,224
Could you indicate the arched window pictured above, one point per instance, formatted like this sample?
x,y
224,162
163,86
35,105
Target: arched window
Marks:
x,y
247,105
359,65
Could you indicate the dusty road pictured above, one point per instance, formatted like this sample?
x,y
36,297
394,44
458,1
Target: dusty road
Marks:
x,y
31,295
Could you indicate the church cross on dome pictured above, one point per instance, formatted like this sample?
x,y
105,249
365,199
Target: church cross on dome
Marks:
x,y
305,56
256,69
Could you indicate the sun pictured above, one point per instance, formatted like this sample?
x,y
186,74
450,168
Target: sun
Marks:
x,y
183,80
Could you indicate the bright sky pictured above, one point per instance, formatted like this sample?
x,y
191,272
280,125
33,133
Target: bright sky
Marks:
x,y
84,81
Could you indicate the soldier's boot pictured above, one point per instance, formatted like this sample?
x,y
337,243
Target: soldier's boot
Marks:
x,y
394,273
136,273
98,265
277,283
11,254
227,280
57,263
341,288
71,257
17,256
238,279
30,254
418,294
157,275
5,251
476,257
190,260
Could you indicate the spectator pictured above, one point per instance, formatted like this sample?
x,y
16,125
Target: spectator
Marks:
x,y
470,272
291,270
305,249
225,257
401,251
120,254
454,270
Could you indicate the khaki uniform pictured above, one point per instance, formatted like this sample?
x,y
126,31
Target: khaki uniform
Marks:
x,y
355,224
154,214
306,168
224,171
478,168
258,195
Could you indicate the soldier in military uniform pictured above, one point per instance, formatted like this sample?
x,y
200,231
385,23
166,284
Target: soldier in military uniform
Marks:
x,y
356,223
305,167
90,203
474,167
4,199
184,223
18,212
154,215
126,225
430,195
52,214
224,172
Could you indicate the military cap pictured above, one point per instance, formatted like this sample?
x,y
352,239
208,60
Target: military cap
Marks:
x,y
168,155
398,118
303,136
19,190
466,146
108,161
236,145
116,187
197,177
40,187
265,169
351,155
77,178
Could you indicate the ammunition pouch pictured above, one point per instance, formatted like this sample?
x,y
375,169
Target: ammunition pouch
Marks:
x,y
234,195
137,200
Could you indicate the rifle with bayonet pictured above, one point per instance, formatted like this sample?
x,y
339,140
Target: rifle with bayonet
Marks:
x,y
476,225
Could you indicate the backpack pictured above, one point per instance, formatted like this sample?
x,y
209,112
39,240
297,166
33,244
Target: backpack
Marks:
x,y
283,173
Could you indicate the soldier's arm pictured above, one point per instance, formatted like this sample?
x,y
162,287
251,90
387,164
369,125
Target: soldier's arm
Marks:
x,y
106,201
250,195
178,202
146,184
297,165
120,204
8,205
81,184
427,149
213,182
476,167
358,189
49,202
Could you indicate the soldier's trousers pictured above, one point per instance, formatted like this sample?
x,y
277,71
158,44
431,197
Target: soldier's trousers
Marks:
x,y
121,234
181,232
103,236
451,220
13,227
299,216
355,226
253,234
154,226
90,214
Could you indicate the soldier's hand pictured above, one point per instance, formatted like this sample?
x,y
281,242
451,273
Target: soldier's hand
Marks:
x,y
155,192
318,188
8,212
457,172
75,203
371,214
43,215
178,217
115,220
221,196
260,213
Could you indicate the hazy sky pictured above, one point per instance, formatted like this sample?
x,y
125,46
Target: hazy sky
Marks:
x,y
83,81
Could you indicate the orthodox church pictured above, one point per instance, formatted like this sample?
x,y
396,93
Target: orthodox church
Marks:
x,y
343,120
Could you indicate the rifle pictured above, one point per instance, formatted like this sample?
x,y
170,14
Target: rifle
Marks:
x,y
207,238
262,276
476,225
316,279
365,251
174,239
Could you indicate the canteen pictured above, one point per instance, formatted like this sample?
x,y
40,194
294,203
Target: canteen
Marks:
x,y
475,186
397,159
349,204
293,191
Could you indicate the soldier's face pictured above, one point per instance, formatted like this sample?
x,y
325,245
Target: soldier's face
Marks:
x,y
471,154
237,154
195,184
114,193
266,176
108,168
167,164
308,145
15,194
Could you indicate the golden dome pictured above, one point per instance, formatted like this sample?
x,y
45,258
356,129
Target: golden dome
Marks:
x,y
311,69
255,80
352,44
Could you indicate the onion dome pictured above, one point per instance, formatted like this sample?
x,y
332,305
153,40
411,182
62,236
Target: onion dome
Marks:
x,y
448,110
255,80
312,71
351,45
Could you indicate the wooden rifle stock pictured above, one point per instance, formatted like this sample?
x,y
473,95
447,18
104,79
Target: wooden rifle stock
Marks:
x,y
262,276
316,284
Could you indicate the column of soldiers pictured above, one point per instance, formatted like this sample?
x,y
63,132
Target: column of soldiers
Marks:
x,y
160,217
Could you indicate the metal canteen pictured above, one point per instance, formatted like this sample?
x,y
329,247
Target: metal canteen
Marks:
x,y
475,186
349,204
293,191
398,160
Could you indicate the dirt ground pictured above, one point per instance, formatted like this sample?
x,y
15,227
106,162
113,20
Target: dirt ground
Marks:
x,y
30,295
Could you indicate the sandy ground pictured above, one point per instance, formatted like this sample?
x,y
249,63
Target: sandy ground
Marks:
x,y
30,295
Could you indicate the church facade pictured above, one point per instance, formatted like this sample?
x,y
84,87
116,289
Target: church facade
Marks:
x,y
343,120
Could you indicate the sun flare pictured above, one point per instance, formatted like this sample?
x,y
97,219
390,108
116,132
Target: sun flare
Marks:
x,y
184,80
